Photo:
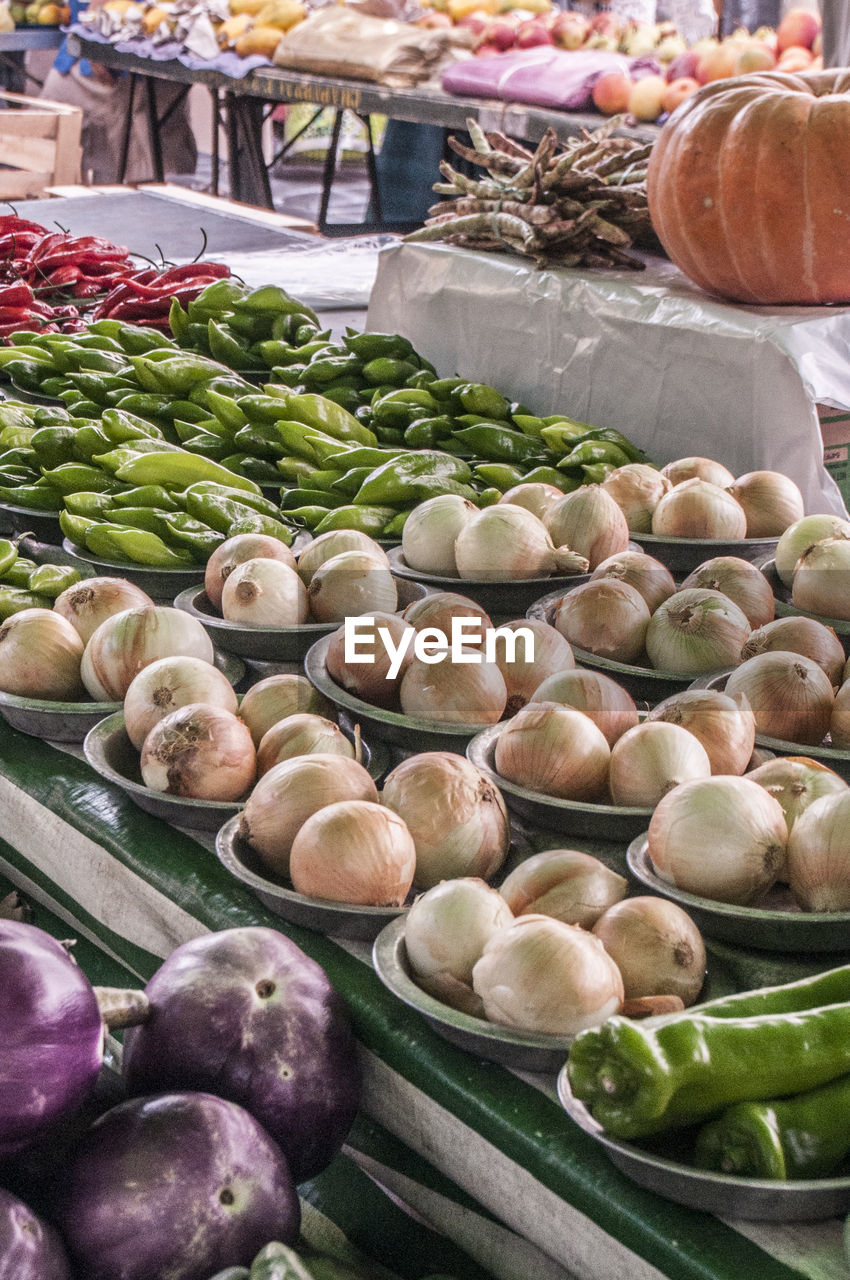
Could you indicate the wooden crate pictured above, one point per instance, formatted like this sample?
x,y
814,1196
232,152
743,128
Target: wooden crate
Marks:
x,y
39,145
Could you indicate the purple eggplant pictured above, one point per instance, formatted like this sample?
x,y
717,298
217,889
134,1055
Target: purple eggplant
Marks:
x,y
51,1032
175,1187
244,1013
29,1248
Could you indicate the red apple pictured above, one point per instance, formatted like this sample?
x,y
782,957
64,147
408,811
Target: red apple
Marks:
x,y
798,27
569,30
530,34
501,33
611,92
717,62
477,22
684,65
485,50
677,91
795,58
605,24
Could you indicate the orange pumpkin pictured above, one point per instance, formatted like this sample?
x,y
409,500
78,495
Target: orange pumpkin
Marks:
x,y
749,187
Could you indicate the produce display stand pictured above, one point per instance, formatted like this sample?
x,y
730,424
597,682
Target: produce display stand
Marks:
x,y
242,104
137,888
14,45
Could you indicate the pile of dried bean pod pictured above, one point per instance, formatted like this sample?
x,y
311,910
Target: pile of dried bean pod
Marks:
x,y
579,204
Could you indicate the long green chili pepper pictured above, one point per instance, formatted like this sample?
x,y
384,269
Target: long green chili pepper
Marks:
x,y
15,599
52,579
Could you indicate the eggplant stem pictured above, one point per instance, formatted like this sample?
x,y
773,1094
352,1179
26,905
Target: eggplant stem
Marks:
x,y
122,1007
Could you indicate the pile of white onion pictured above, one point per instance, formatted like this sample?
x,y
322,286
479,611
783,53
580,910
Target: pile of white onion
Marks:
x,y
813,560
256,581
733,839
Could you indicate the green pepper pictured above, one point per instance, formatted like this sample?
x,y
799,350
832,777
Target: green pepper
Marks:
x,y
34,497
393,528
53,445
115,542
498,443
324,415
13,414
178,469
311,515
294,499
54,386
147,495
550,475
421,378
477,397
19,573
371,520
145,404
139,339
17,437
805,1136
498,475
225,384
90,442
591,451
347,397
324,479
74,527
289,376
596,472
640,1078
376,346
52,579
349,484
217,298
197,538
82,407
109,362
327,369
528,424
225,408
208,446
265,441
176,374
231,351
256,501
119,426
611,436
363,456
178,320
401,407
292,468
219,511
270,297
424,433
89,504
8,554
412,477
261,470
564,435
256,523
16,599
386,369
147,518
97,388
26,373
487,497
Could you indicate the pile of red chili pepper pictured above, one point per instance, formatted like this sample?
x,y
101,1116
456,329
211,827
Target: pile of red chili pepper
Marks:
x,y
40,269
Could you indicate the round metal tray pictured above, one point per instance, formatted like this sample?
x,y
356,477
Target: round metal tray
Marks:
x,y
777,924
505,599
683,555
748,1199
785,607
572,817
161,585
337,918
403,731
110,753
43,524
824,752
269,644
71,721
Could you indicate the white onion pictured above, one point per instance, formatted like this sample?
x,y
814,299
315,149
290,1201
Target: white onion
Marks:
x,y
741,581
605,617
429,533
608,704
696,631
201,751
536,497
790,695
354,851
504,543
126,642
796,634
771,501
589,521
554,750
647,575
541,975
802,535
88,603
819,855
445,933
334,543
370,680
698,509
552,653
697,468
839,721
656,946
264,593
437,610
455,814
277,697
725,726
40,656
286,796
471,693
351,584
719,838
796,781
236,550
822,579
563,883
300,735
651,759
169,683
637,488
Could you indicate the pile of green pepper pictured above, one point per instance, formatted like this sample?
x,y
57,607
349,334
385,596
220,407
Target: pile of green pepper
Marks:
x,y
25,584
765,1073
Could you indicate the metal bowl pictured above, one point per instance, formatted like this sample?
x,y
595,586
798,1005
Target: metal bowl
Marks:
x,y
683,555
645,684
110,753
161,585
505,599
521,1050
401,730
777,924
825,753
337,918
71,721
785,606
748,1199
43,524
572,817
269,644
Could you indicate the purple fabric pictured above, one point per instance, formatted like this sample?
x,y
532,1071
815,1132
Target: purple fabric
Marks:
x,y
542,76
227,62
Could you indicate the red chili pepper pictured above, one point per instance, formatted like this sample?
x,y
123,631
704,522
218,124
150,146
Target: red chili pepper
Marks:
x,y
7,314
64,275
86,289
213,270
16,295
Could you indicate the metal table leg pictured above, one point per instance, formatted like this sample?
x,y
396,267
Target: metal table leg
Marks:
x,y
128,129
153,129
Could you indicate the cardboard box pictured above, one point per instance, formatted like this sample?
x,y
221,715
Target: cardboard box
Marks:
x,y
39,145
835,429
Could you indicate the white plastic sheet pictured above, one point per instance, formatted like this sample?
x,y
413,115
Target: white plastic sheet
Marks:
x,y
646,352
326,274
